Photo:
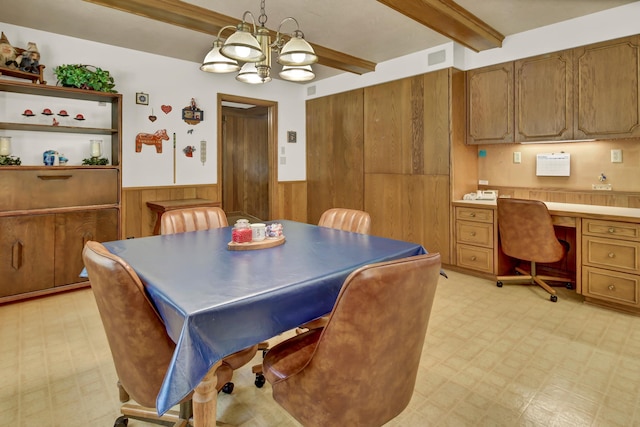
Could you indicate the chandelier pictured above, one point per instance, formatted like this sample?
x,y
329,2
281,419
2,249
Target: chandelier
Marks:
x,y
249,52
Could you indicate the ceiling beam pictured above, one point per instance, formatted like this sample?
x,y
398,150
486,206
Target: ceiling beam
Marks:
x,y
196,18
451,20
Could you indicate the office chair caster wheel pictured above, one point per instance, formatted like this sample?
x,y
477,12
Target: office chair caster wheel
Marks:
x,y
499,284
554,298
227,388
121,421
569,285
260,380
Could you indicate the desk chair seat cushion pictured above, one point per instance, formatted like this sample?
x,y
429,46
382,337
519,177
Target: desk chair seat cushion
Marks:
x,y
360,369
526,231
352,220
192,219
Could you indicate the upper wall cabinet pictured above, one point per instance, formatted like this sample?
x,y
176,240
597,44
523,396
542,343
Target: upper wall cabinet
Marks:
x,y
544,97
490,104
607,89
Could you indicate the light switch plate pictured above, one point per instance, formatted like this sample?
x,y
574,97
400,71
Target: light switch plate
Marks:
x,y
517,157
616,156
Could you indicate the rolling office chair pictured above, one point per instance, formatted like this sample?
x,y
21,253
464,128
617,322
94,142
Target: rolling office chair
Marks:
x,y
192,219
343,219
331,376
527,234
140,346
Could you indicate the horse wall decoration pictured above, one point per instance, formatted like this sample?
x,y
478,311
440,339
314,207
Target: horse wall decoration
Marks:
x,y
151,139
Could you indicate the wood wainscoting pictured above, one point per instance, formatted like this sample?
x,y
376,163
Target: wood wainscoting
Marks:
x,y
138,220
599,198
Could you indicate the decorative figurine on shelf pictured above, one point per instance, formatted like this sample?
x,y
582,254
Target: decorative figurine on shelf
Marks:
x,y
191,114
8,54
30,59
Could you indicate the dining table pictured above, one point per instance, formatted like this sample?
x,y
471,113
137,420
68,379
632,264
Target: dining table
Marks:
x,y
215,301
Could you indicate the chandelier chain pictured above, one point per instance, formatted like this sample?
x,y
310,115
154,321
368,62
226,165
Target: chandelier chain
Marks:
x,y
262,19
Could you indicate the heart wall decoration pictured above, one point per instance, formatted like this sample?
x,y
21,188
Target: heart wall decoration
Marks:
x,y
152,117
166,109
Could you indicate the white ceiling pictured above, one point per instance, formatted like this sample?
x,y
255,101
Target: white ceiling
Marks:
x,y
363,28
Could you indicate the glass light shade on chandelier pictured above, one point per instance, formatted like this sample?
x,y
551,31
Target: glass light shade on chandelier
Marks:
x,y
302,73
215,62
249,73
242,45
297,51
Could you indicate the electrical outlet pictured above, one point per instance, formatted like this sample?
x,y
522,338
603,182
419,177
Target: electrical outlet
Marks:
x,y
517,157
605,187
616,156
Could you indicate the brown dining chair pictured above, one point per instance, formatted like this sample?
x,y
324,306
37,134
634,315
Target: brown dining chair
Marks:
x,y
192,219
526,233
140,346
360,369
344,219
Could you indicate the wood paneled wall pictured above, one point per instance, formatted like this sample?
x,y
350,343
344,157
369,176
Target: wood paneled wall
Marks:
x,y
599,198
137,218
292,201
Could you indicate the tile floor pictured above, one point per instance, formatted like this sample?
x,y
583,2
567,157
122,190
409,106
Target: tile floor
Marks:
x,y
493,357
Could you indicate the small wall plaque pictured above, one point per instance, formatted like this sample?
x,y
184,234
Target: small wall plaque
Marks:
x,y
292,136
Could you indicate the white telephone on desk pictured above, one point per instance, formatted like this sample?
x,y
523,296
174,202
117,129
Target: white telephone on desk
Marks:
x,y
482,195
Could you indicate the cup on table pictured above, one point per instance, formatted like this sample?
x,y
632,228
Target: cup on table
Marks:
x,y
258,232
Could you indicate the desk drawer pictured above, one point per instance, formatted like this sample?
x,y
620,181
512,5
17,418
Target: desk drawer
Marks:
x,y
474,214
611,229
56,188
474,233
474,258
610,286
611,254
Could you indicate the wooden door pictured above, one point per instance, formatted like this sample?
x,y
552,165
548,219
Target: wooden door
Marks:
x,y
544,97
26,253
245,161
490,104
608,90
72,231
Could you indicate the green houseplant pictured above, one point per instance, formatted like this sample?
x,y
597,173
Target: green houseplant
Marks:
x,y
85,77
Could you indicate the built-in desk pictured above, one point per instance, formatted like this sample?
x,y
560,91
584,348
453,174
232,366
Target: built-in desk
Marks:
x,y
162,206
605,256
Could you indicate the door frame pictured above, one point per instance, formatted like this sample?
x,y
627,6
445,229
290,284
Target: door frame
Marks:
x,y
272,144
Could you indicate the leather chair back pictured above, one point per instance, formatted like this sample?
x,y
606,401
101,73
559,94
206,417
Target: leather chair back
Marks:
x,y
347,220
192,219
139,343
362,372
526,231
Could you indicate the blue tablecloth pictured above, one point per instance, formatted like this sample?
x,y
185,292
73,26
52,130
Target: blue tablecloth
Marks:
x,y
215,302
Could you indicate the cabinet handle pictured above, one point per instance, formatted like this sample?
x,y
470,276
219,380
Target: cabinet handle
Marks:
x,y
612,255
473,233
611,287
472,215
473,258
612,230
17,255
54,177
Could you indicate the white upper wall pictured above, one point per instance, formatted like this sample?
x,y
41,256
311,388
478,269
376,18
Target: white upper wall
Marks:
x,y
174,82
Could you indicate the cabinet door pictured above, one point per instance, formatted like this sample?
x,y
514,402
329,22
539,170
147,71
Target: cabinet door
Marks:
x,y
544,97
608,93
73,230
26,254
490,104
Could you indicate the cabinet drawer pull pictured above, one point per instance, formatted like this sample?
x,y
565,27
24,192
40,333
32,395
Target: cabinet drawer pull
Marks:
x,y
611,287
612,255
16,255
473,233
53,177
473,258
472,215
612,230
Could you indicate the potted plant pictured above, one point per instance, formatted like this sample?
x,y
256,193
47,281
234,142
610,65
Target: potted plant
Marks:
x,y
84,77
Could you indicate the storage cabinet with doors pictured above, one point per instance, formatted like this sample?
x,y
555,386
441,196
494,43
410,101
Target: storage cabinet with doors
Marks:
x,y
611,263
47,213
607,78
475,238
490,104
544,97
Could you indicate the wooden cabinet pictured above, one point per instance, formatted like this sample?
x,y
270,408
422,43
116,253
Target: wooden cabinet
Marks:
x,y
490,104
611,263
607,89
544,97
475,238
47,213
